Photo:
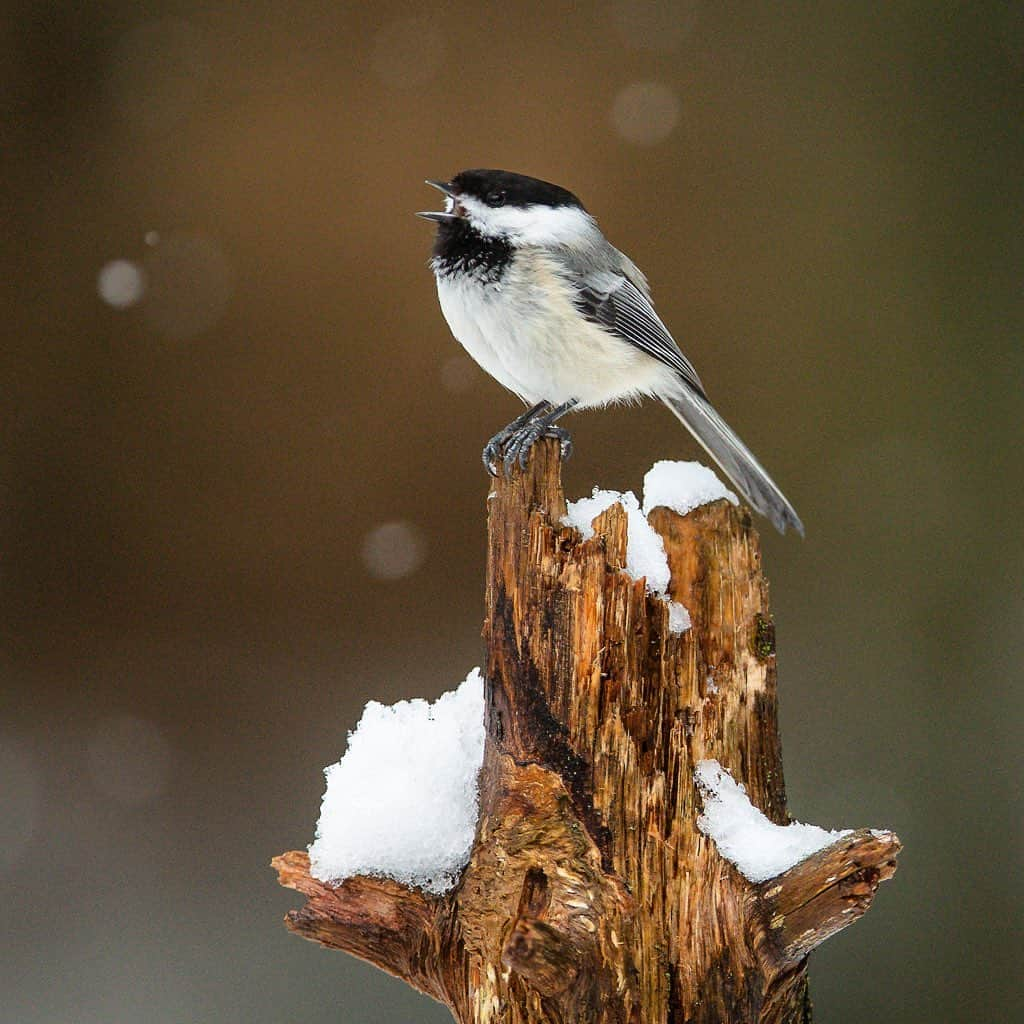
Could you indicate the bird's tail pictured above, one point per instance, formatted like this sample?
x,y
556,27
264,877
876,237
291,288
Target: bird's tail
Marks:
x,y
699,417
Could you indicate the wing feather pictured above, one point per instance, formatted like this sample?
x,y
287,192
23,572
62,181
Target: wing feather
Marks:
x,y
618,305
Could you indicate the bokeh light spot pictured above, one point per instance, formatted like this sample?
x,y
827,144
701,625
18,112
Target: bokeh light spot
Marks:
x,y
121,283
459,374
393,550
129,760
645,113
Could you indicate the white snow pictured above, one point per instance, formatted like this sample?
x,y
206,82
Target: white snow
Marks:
x,y
403,800
682,487
583,512
679,620
759,848
645,550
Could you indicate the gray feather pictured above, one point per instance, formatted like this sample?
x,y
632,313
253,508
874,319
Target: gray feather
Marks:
x,y
619,306
751,480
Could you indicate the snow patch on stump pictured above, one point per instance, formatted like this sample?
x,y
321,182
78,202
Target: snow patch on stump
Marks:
x,y
680,486
759,848
645,550
403,802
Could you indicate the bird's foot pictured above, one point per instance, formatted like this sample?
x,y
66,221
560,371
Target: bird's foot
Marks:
x,y
512,444
494,450
509,447
517,448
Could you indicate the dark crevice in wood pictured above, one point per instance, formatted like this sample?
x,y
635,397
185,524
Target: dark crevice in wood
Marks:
x,y
537,735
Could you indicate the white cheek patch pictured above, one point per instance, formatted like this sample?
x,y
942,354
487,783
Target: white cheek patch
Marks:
x,y
531,225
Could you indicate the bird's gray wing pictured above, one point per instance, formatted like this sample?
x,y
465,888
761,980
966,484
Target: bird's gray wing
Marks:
x,y
618,305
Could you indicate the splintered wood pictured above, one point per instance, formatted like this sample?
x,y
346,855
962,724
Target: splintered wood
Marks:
x,y
590,895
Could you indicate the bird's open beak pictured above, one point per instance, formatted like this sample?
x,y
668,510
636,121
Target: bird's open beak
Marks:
x,y
441,186
439,215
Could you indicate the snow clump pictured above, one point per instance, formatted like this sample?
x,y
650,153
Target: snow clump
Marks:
x,y
759,848
403,801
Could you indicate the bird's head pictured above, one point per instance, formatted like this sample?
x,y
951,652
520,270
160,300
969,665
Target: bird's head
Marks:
x,y
515,207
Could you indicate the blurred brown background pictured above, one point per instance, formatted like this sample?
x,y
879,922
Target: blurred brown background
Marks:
x,y
240,489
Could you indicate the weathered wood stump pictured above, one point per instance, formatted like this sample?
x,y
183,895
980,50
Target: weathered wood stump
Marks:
x,y
591,896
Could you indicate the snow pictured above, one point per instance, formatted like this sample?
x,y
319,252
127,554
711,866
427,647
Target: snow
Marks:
x,y
583,512
679,620
645,550
403,802
759,848
682,487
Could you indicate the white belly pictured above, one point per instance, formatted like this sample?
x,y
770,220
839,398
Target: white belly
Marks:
x,y
526,333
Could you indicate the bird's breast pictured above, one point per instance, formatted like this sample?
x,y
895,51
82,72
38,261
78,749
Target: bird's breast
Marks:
x,y
525,330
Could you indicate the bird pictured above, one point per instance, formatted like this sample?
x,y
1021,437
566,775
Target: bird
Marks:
x,y
545,304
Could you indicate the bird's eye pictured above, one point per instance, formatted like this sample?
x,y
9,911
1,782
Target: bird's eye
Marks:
x,y
496,198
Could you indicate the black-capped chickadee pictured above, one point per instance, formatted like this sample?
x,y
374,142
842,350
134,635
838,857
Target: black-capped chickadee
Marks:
x,y
553,311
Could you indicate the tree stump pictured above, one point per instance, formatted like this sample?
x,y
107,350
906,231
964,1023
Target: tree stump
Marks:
x,y
591,895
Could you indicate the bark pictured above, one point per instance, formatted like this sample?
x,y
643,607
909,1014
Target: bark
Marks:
x,y
590,895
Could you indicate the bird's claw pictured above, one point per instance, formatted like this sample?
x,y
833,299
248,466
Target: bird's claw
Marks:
x,y
564,441
511,447
492,455
519,445
523,441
